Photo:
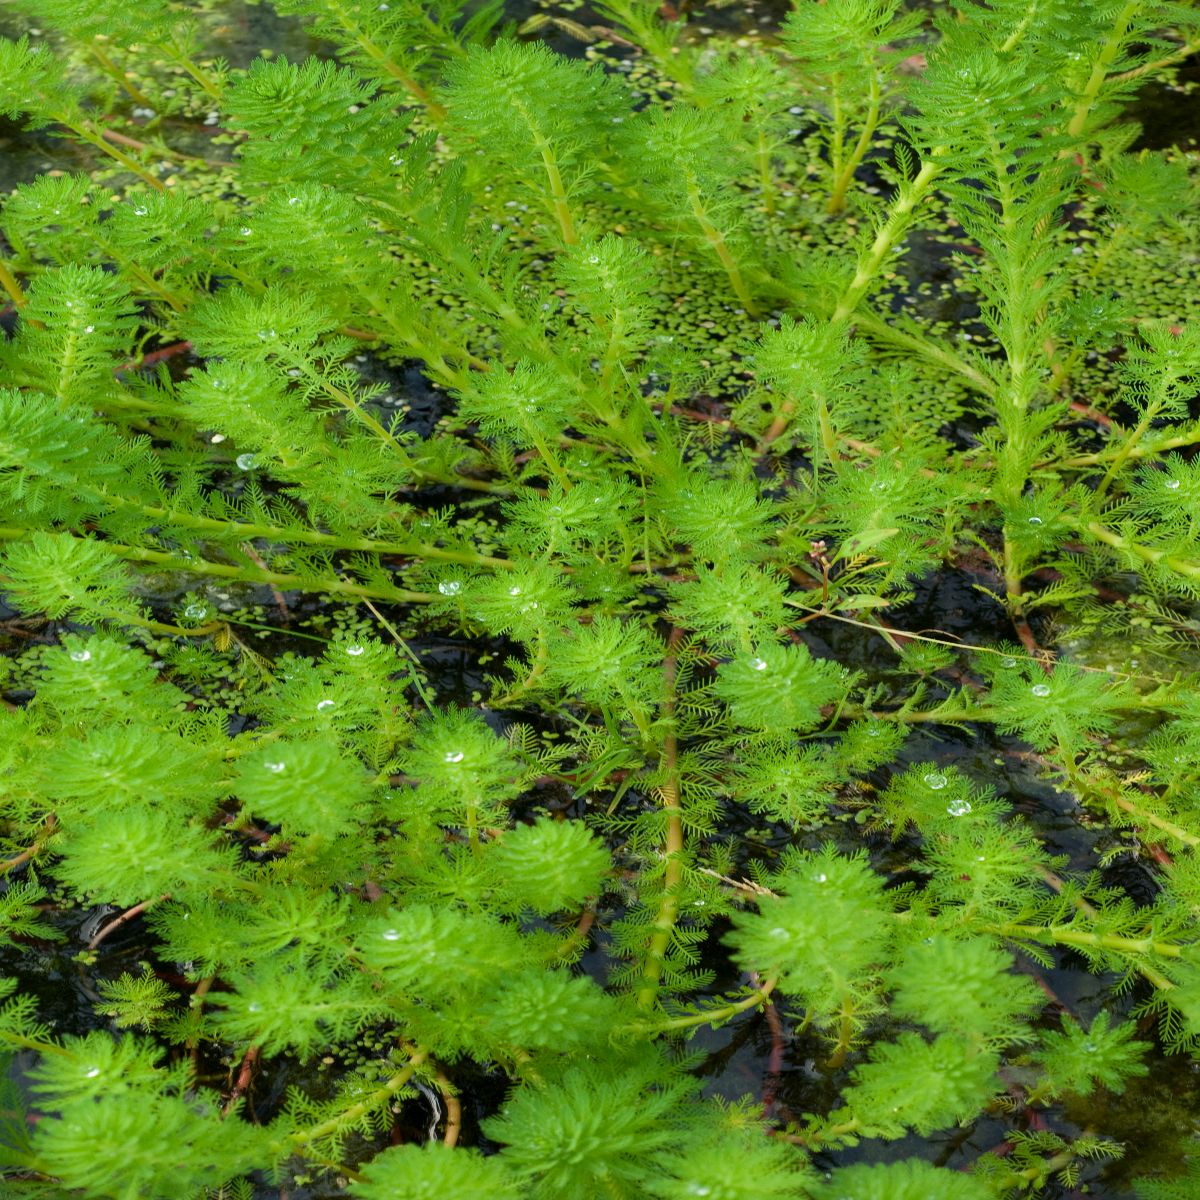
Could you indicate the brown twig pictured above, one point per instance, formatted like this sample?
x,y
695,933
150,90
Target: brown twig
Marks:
x,y
120,139
124,918
453,1110
775,1058
19,860
155,356
242,1083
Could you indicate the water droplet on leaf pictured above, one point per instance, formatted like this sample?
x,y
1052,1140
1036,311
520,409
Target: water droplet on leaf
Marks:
x,y
935,782
81,655
958,808
454,756
1040,689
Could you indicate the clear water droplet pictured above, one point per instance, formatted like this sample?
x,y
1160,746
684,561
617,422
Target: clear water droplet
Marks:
x,y
275,767
390,935
1035,521
1008,662
450,587
245,462
1090,1047
81,655
593,259
326,705
1172,485
821,878
873,731
958,808
140,211
254,1006
759,664
245,231
354,651
91,1072
879,486
89,329
935,782
514,591
779,932
293,200
1040,689
196,612
454,756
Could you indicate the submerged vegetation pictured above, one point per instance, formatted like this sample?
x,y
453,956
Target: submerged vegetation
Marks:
x,y
697,409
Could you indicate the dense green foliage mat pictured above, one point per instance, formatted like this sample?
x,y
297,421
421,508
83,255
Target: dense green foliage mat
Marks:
x,y
658,385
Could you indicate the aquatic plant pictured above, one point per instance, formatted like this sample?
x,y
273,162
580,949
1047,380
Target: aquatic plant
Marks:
x,y
690,415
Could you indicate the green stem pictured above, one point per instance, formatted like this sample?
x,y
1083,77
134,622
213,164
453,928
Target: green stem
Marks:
x,y
85,134
1185,50
1126,449
355,32
837,136
1065,935
712,1016
844,178
668,905
890,234
1013,575
245,531
716,239
1190,570
551,460
346,1119
878,329
766,177
118,76
200,566
1101,456
197,73
1110,47
10,284
845,1034
558,190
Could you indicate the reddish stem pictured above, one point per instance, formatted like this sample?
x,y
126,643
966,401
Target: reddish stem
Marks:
x,y
124,918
